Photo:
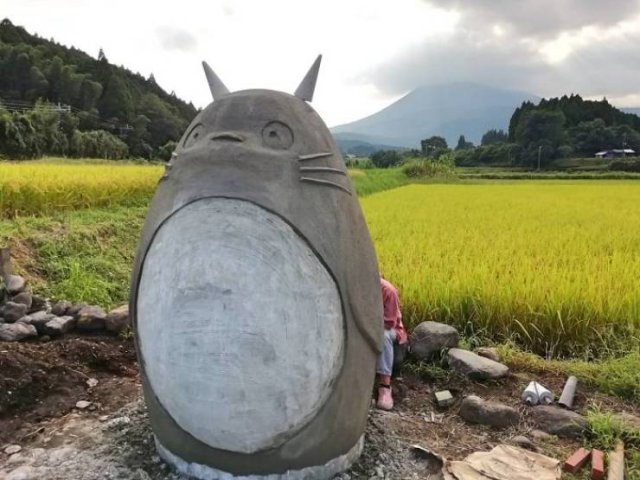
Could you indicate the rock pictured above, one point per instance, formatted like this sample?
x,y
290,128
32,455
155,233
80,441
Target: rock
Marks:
x,y
541,436
474,366
92,382
524,442
430,338
444,398
13,312
59,325
11,449
91,318
628,420
82,404
15,284
74,310
12,332
25,298
39,303
62,308
103,418
38,320
559,421
118,319
490,353
476,410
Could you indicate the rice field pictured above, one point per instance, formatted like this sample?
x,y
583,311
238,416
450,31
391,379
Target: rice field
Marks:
x,y
42,188
553,266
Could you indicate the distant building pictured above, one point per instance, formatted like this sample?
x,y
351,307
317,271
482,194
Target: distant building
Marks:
x,y
615,153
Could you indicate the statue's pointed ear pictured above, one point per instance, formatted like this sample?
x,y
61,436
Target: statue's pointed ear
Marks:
x,y
218,89
308,85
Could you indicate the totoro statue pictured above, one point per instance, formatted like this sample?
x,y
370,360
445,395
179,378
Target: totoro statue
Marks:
x,y
255,295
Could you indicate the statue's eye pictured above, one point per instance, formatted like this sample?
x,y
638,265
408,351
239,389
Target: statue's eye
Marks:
x,y
277,135
196,133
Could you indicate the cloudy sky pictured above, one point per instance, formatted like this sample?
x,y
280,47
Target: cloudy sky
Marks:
x,y
374,50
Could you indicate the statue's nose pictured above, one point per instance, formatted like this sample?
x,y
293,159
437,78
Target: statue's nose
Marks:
x,y
226,137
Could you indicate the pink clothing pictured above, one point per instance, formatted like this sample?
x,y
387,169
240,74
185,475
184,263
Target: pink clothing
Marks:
x,y
392,314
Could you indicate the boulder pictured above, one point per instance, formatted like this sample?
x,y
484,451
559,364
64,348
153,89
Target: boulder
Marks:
x,y
476,410
118,319
25,298
38,320
91,318
74,310
430,338
558,421
13,312
59,325
39,303
490,353
62,308
12,332
15,284
474,366
523,442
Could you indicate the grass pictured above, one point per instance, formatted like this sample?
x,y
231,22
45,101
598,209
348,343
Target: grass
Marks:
x,y
552,266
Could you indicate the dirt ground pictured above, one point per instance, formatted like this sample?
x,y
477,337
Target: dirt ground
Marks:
x,y
41,382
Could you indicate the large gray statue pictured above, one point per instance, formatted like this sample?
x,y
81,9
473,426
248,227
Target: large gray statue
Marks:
x,y
255,295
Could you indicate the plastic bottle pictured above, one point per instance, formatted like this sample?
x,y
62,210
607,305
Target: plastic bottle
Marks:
x,y
544,395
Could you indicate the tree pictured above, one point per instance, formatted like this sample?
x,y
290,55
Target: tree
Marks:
x,y
386,158
434,146
463,144
494,136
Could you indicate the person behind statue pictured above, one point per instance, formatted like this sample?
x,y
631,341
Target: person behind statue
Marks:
x,y
394,333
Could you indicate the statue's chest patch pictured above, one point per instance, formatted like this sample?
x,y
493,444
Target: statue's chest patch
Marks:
x,y
240,325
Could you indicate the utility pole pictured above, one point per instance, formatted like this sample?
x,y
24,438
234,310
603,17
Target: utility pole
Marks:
x,y
539,154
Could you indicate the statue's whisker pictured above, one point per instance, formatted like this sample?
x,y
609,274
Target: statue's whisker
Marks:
x,y
311,156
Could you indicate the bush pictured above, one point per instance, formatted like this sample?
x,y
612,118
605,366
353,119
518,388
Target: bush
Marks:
x,y
625,165
428,167
386,158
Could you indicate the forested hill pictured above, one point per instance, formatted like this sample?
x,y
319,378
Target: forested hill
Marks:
x,y
103,97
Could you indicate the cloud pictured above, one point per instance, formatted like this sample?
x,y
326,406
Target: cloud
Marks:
x,y
544,47
541,17
172,38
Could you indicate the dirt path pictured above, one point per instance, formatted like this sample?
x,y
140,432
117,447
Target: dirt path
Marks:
x,y
40,384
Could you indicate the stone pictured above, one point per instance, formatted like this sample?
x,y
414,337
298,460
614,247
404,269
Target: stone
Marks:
x,y
62,308
444,398
92,382
91,318
39,320
12,449
12,332
541,436
490,353
25,298
558,421
628,420
60,325
524,442
15,284
476,410
12,312
430,338
118,319
73,310
82,404
474,366
39,303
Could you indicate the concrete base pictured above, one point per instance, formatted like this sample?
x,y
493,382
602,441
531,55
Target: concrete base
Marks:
x,y
316,472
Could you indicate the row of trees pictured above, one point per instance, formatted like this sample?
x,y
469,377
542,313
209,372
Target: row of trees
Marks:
x,y
33,133
101,96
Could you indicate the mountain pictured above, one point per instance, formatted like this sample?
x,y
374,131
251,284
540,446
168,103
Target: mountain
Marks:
x,y
360,145
448,110
97,95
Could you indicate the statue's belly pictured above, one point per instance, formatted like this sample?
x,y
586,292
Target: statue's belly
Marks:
x,y
240,325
